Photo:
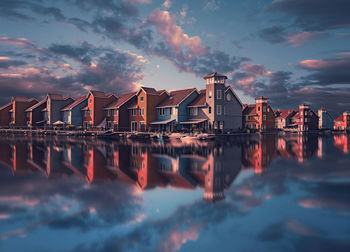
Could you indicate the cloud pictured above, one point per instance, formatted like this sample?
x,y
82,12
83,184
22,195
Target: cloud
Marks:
x,y
300,38
167,4
211,5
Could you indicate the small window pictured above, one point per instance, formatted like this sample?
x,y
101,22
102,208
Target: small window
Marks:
x,y
209,94
209,110
219,94
228,97
90,101
141,98
90,111
259,108
142,111
108,112
218,109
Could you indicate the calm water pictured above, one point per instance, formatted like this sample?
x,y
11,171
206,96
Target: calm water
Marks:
x,y
270,193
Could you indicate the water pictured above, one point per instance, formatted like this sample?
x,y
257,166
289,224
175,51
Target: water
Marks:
x,y
271,193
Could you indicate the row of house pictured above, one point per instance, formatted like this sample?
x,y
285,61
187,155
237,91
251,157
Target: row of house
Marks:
x,y
216,108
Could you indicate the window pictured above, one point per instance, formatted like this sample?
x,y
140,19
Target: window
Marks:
x,y
209,110
108,112
268,109
90,111
142,111
219,94
264,109
209,94
90,101
141,98
228,97
218,109
194,111
259,108
133,112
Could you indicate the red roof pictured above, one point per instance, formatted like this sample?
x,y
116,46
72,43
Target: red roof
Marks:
x,y
339,118
176,97
284,113
36,105
121,100
249,110
200,101
75,103
6,105
149,90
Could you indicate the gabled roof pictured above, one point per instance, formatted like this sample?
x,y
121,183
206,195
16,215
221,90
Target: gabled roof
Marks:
x,y
133,105
284,113
98,94
339,118
200,100
227,88
176,97
121,100
75,103
23,99
250,109
148,90
36,105
215,74
56,97
6,106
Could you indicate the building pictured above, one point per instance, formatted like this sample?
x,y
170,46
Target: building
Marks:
x,y
5,116
172,111
73,114
143,111
305,119
94,113
283,118
342,122
34,114
325,120
19,106
117,113
259,116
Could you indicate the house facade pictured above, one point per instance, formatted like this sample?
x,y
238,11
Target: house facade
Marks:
x,y
19,106
259,116
73,114
35,115
283,118
54,104
143,111
325,120
94,113
5,116
342,122
305,119
117,113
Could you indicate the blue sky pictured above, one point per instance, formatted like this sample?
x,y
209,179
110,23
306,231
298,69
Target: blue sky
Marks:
x,y
292,51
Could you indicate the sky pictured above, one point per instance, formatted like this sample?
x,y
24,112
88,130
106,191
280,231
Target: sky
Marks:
x,y
291,51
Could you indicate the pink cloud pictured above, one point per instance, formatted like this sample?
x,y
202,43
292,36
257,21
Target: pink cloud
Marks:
x,y
344,54
322,64
4,216
254,69
4,58
298,39
174,35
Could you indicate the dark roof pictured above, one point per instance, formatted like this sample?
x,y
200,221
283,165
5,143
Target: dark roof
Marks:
x,y
6,105
284,113
56,96
36,105
121,100
98,94
176,97
249,110
149,90
215,74
200,100
133,105
75,103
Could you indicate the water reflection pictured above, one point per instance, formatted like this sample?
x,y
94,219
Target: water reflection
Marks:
x,y
66,184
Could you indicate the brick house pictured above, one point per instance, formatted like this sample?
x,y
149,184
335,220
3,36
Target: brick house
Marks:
x,y
305,119
259,116
73,114
94,114
117,113
342,122
5,116
172,111
19,106
143,111
283,118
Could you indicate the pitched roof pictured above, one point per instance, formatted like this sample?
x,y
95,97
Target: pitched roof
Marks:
x,y
23,99
176,97
284,113
56,97
75,103
200,100
149,90
36,105
227,88
249,109
339,118
215,74
121,100
98,94
6,105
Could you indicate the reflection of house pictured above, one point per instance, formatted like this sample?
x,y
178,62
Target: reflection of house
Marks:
x,y
259,155
37,156
73,114
259,116
303,147
216,108
283,118
5,116
143,111
94,113
6,154
172,111
73,159
54,162
117,114
19,105
342,142
20,165
342,122
325,120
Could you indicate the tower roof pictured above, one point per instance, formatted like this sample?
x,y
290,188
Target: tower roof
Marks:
x,y
215,74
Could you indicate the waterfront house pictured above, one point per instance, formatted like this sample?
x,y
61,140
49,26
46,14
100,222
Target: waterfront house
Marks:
x,y
19,106
172,111
283,118
259,116
34,114
94,114
325,120
143,111
73,114
217,108
342,122
117,113
305,119
5,116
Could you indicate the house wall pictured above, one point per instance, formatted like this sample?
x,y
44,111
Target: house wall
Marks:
x,y
76,117
36,115
5,116
233,112
182,112
123,115
54,108
19,108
